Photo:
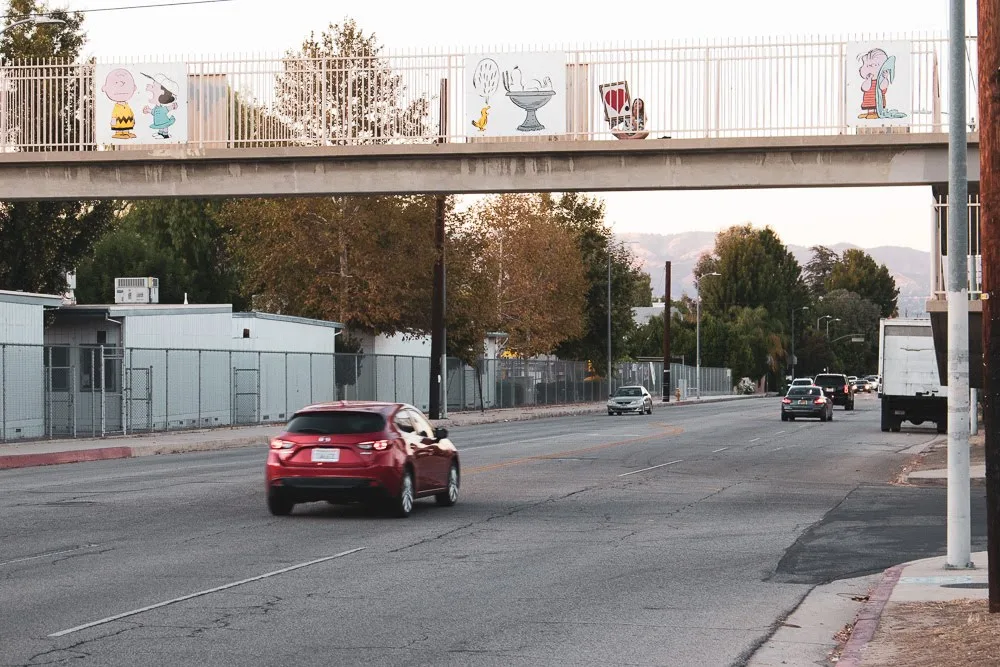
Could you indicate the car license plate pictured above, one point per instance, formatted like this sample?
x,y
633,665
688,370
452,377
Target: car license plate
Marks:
x,y
325,455
802,402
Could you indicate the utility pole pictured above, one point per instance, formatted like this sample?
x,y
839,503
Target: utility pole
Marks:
x,y
666,334
438,404
959,524
989,220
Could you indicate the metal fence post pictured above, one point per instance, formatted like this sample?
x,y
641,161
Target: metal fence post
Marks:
x,y
166,389
286,384
47,353
310,378
258,385
413,379
395,397
199,388
104,415
3,384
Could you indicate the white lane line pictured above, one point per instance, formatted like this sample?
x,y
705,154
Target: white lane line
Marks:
x,y
720,449
755,440
626,474
47,554
525,441
116,617
779,432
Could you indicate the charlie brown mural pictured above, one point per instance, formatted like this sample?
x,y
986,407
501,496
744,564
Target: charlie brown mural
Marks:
x,y
119,86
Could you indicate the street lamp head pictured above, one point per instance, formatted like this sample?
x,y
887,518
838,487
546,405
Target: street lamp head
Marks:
x,y
32,20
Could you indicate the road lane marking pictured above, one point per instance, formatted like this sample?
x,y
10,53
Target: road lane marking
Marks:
x,y
126,614
673,430
755,440
650,468
49,553
720,449
779,432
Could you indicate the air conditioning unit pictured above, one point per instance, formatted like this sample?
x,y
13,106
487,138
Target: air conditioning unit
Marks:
x,y
137,290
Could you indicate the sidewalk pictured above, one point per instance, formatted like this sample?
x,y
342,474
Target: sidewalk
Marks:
x,y
922,614
48,452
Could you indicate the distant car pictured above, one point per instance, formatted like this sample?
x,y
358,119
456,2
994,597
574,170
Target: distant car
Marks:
x,y
359,451
862,384
806,402
836,387
802,382
630,399
875,382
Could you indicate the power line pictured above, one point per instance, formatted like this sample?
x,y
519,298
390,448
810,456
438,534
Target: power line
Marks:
x,y
123,8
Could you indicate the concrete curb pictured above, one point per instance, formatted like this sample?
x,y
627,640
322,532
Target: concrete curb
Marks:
x,y
137,448
868,618
73,456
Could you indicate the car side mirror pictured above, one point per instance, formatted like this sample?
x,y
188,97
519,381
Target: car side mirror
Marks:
x,y
440,433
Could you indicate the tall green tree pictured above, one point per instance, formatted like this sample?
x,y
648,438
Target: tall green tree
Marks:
x,y
756,270
850,314
42,240
819,268
182,242
584,217
857,272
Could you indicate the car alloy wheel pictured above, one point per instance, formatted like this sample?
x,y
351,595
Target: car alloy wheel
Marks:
x,y
450,496
404,503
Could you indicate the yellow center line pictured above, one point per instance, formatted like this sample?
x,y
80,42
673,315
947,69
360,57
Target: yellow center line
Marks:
x,y
668,431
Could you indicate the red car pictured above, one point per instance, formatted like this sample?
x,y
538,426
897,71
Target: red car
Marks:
x,y
360,451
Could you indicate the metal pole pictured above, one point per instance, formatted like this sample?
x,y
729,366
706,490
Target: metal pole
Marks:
x,y
437,313
609,318
793,343
666,333
989,225
166,389
697,337
959,527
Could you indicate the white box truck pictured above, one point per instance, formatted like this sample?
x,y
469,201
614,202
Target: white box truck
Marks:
x,y
911,389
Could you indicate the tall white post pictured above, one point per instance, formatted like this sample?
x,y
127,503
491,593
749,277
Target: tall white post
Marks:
x,y
959,526
697,339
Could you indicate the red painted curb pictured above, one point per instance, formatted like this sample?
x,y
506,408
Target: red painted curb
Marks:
x,y
52,458
868,618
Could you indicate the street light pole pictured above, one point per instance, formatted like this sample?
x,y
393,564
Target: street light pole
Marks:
x,y
820,319
793,337
609,319
835,319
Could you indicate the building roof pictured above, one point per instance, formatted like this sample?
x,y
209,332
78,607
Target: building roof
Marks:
x,y
31,298
140,309
288,318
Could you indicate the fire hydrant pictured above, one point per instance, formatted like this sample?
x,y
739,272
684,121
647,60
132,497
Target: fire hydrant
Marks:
x,y
677,394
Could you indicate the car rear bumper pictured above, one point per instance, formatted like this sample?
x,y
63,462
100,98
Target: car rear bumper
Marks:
x,y
627,408
804,412
348,483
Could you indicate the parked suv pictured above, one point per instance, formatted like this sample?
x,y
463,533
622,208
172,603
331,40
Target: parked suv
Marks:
x,y
837,388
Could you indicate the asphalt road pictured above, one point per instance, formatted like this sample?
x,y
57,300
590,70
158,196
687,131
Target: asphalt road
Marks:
x,y
680,538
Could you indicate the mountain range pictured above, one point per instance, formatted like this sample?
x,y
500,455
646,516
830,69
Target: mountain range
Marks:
x,y
910,268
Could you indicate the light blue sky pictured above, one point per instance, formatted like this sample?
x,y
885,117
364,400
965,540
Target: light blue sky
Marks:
x,y
865,217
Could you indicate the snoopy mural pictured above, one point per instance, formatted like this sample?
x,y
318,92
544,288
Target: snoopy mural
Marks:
x,y
880,89
515,94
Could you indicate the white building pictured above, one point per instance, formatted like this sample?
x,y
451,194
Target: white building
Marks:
x,y
22,356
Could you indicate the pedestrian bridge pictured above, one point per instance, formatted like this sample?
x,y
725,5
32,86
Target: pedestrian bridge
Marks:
x,y
752,114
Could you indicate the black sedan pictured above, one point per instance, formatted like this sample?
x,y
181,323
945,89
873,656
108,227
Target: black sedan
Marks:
x,y
806,402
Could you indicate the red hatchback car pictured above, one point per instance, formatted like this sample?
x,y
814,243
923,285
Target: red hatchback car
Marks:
x,y
359,451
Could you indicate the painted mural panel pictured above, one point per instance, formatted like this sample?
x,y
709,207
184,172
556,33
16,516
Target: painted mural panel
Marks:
x,y
141,104
879,83
515,94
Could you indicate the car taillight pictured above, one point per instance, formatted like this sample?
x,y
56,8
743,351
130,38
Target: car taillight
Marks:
x,y
277,443
377,445
820,401
786,400
847,389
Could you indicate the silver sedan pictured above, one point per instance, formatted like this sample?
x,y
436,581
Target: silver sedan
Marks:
x,y
630,399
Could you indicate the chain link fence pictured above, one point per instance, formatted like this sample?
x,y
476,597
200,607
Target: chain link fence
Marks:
x,y
95,391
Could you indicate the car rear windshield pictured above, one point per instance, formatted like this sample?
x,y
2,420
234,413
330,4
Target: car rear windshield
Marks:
x,y
803,391
629,391
336,422
830,380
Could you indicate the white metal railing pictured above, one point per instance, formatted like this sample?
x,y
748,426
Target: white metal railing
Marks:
x,y
751,88
938,254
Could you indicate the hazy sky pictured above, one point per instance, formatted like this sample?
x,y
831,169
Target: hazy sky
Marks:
x,y
873,217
